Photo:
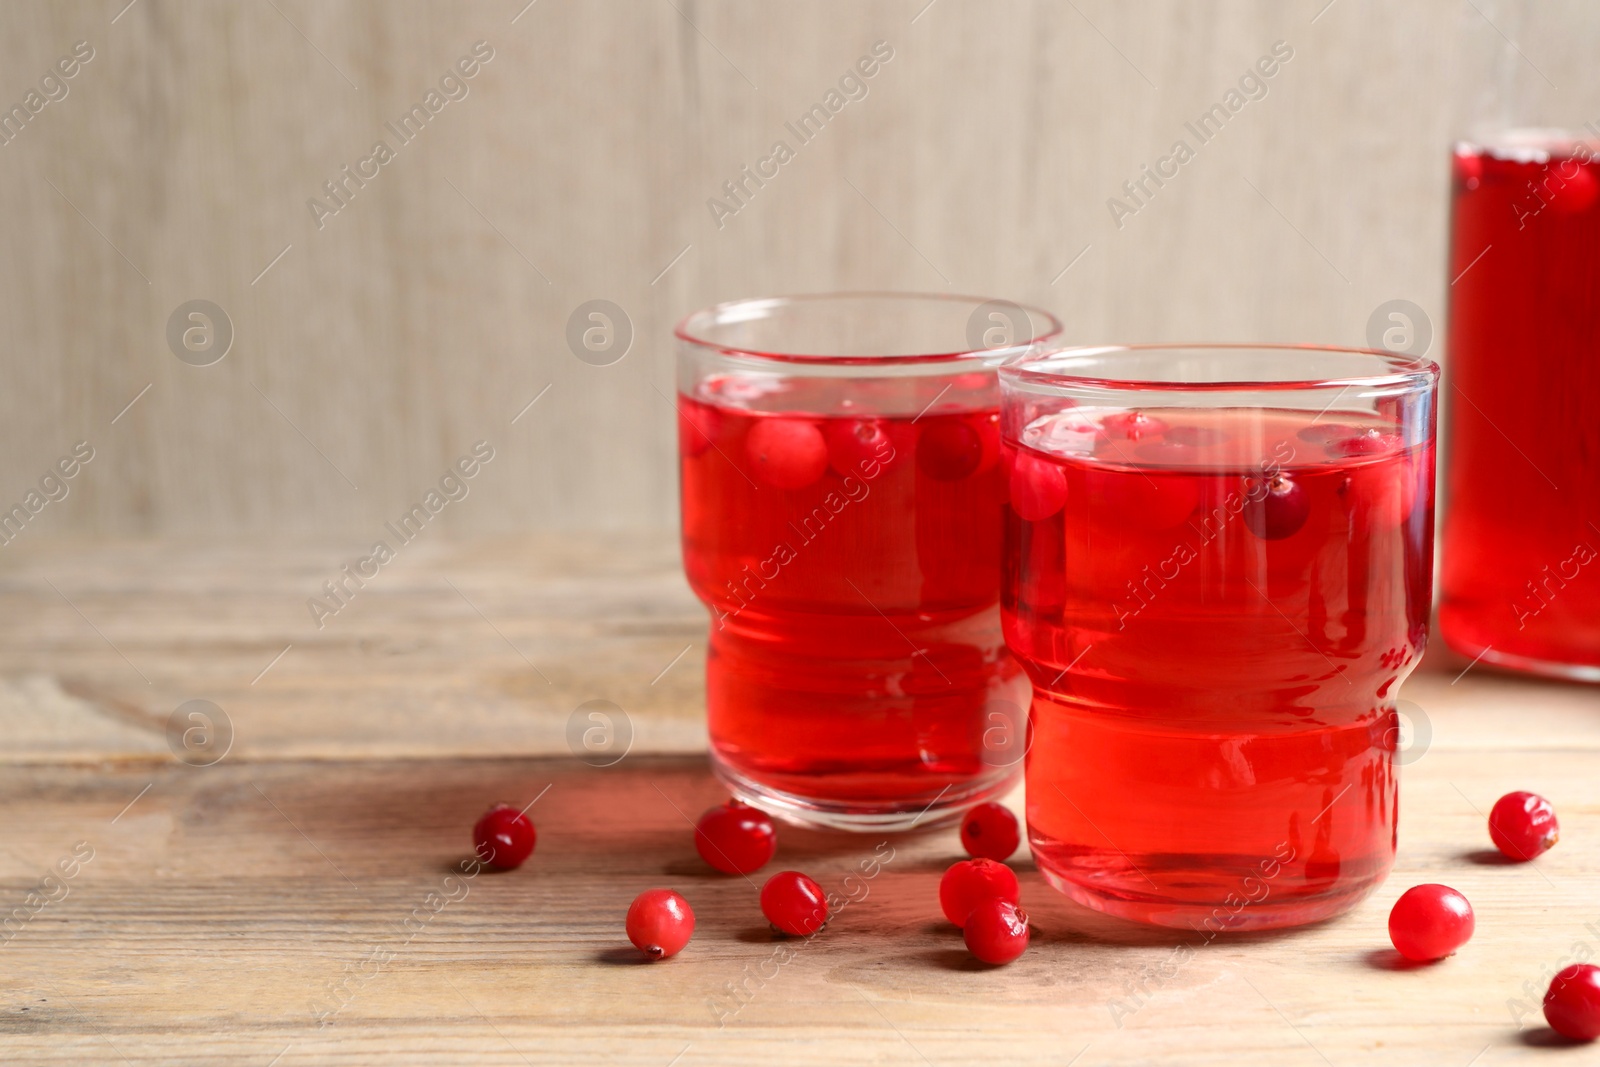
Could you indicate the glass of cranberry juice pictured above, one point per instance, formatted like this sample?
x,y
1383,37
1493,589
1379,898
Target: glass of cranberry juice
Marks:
x,y
1520,585
841,509
1217,574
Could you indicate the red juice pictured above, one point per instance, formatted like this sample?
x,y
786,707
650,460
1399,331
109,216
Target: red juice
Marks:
x,y
851,563
1215,607
1521,581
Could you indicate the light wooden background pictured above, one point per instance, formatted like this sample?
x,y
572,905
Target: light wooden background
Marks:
x,y
425,315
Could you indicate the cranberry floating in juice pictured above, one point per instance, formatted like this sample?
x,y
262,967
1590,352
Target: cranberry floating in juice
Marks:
x,y
842,496
1218,573
1521,553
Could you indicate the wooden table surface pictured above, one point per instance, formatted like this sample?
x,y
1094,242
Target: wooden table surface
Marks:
x,y
297,900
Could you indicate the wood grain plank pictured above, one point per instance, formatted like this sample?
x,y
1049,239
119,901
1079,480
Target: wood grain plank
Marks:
x,y
464,648
230,906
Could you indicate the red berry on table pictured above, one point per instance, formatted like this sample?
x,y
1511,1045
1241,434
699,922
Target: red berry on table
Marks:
x,y
1572,1003
786,453
735,838
503,837
996,931
970,882
1522,825
990,832
1429,922
1038,488
660,923
949,450
794,903
1276,508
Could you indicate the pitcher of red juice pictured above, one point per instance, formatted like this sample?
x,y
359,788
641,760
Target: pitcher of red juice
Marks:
x,y
1520,564
1521,574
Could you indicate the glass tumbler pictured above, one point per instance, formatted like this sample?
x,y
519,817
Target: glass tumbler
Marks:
x,y
1218,572
841,509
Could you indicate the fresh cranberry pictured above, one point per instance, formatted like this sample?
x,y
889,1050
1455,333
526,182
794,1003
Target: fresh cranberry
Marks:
x,y
1038,487
786,453
1522,825
949,449
698,426
996,931
1573,186
1572,1003
1429,922
503,837
989,832
968,882
735,838
854,445
1276,507
660,923
1133,426
794,903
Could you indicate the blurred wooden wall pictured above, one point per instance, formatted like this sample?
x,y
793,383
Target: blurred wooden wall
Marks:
x,y
433,306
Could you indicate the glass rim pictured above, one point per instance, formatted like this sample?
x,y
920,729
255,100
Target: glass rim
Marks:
x,y
1402,370
1518,143
690,329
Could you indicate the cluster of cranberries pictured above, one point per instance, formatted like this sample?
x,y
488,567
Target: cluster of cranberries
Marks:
x,y
1430,922
792,453
735,839
981,895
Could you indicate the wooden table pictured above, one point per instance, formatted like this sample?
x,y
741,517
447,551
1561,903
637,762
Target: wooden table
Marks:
x,y
297,901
